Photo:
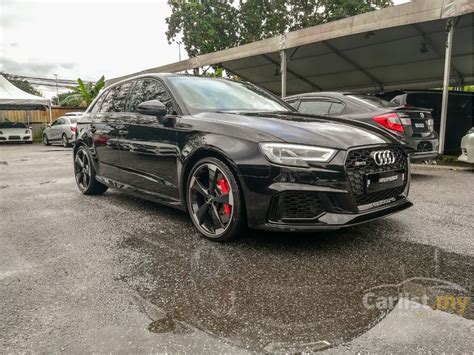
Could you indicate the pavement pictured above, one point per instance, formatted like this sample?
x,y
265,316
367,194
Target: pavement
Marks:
x,y
115,273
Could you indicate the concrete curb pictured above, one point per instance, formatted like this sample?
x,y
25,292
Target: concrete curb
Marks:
x,y
442,167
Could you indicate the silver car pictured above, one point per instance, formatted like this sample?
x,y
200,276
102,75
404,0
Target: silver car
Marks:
x,y
62,131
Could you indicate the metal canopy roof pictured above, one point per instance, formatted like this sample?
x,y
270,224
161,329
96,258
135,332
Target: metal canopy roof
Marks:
x,y
397,47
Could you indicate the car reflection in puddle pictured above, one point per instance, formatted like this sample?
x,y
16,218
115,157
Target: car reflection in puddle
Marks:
x,y
291,292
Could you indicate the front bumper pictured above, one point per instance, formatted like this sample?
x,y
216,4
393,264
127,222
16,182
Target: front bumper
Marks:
x,y
332,221
321,198
16,138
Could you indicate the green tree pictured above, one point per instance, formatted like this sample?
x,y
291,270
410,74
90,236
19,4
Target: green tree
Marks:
x,y
206,26
84,93
21,84
68,99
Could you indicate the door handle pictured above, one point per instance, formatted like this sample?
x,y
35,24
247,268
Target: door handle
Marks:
x,y
123,132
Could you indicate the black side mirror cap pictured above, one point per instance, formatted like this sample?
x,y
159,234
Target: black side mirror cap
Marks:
x,y
152,108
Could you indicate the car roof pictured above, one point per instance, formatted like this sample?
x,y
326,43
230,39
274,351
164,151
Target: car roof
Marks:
x,y
161,76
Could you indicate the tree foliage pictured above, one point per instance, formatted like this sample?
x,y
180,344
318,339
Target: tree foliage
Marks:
x,y
21,84
206,26
81,95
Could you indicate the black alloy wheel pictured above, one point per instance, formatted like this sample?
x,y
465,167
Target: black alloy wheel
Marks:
x,y
213,199
85,174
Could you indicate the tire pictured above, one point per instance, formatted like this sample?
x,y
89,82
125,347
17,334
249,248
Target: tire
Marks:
x,y
214,204
84,173
65,141
46,140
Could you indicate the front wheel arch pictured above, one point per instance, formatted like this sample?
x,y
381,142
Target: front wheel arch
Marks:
x,y
209,153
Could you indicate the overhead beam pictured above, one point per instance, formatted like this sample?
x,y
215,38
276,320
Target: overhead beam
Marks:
x,y
354,64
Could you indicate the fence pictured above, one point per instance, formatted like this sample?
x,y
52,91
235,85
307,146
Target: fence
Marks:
x,y
37,116
36,119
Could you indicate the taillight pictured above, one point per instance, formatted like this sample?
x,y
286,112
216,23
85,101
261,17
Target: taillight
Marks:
x,y
390,121
73,129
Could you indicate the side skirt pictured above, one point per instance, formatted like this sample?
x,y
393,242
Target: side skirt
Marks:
x,y
147,195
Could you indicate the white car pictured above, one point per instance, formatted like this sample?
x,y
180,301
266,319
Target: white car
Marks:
x,y
467,147
15,132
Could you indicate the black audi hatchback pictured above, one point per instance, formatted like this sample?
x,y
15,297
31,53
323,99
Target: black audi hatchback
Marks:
x,y
234,155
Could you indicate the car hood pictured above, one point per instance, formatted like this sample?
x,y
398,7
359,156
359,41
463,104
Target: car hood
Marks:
x,y
13,131
305,129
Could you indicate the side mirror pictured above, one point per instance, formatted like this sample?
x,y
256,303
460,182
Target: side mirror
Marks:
x,y
48,126
152,108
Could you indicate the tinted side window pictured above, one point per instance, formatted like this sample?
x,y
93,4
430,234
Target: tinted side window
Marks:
x,y
336,108
116,99
315,107
149,89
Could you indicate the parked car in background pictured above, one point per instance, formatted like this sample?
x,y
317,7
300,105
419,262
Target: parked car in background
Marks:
x,y
73,114
413,127
467,147
234,155
460,111
15,132
62,131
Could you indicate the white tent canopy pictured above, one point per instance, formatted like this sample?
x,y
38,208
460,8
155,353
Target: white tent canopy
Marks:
x,y
12,98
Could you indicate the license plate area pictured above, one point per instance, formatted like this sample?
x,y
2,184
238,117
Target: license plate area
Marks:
x,y
419,125
384,180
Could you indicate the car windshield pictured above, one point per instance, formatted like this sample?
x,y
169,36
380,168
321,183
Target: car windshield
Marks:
x,y
374,101
207,94
7,124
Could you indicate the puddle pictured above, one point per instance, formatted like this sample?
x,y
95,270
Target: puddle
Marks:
x,y
293,292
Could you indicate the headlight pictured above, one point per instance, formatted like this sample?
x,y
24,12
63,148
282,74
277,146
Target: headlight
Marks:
x,y
296,155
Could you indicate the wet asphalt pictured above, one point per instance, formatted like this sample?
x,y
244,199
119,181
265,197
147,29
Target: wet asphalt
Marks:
x,y
116,273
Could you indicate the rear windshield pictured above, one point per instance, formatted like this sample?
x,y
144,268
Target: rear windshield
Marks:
x,y
373,101
6,124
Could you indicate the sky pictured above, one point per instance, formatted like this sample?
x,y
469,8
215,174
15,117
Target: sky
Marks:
x,y
86,38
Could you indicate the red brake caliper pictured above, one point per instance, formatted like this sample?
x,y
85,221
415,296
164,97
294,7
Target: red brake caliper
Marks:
x,y
224,187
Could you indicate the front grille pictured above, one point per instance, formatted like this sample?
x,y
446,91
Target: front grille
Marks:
x,y
13,137
297,205
359,163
